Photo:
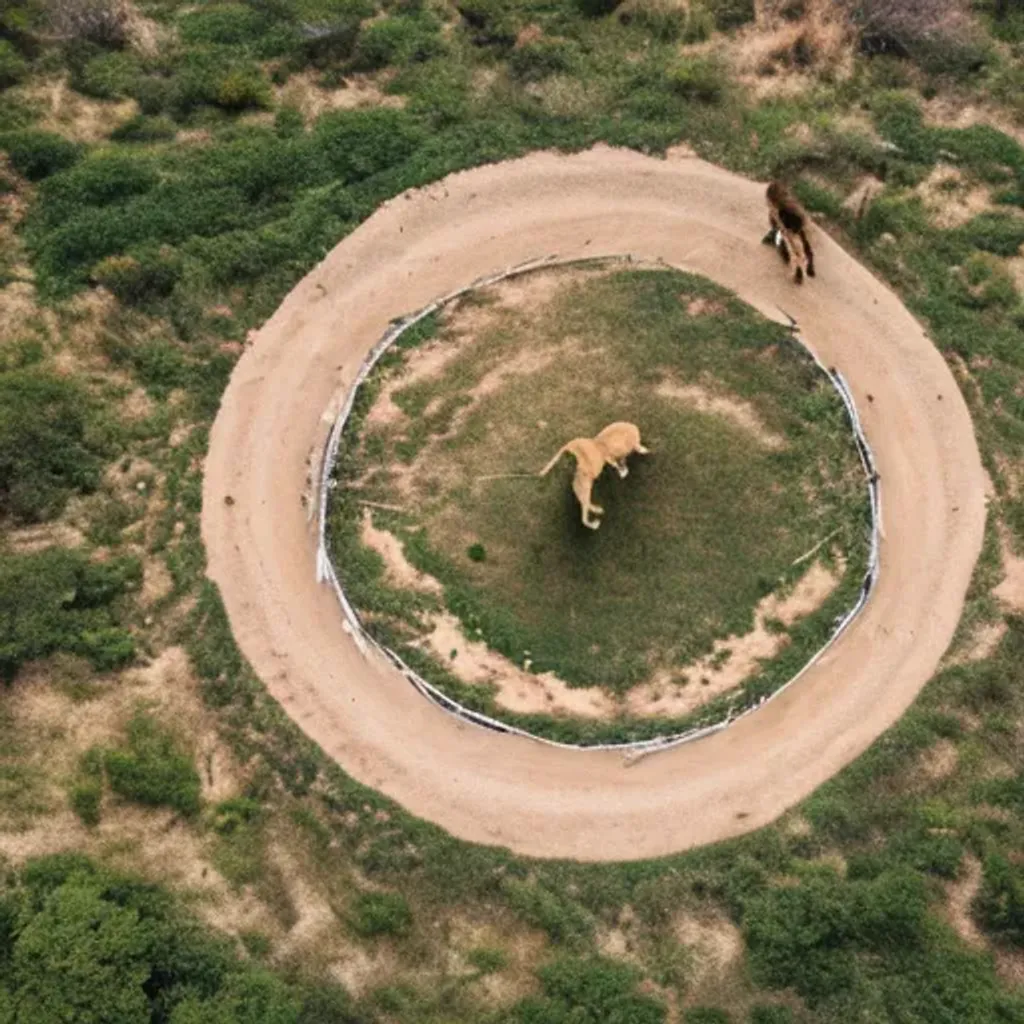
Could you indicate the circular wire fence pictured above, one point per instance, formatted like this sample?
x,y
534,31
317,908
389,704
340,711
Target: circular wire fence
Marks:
x,y
354,625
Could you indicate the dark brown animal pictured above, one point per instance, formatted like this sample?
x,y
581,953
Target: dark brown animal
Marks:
x,y
788,231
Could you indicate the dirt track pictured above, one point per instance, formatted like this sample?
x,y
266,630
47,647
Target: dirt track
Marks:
x,y
514,792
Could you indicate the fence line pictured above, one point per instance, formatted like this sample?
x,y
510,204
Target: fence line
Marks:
x,y
635,748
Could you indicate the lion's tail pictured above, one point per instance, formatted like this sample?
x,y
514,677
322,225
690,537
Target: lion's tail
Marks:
x,y
561,451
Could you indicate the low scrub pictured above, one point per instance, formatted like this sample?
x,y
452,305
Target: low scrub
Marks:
x,y
13,67
51,444
152,768
381,913
36,155
57,600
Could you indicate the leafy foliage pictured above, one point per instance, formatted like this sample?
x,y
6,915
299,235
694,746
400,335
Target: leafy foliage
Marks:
x,y
57,600
381,913
50,444
79,943
153,768
589,990
36,154
1000,903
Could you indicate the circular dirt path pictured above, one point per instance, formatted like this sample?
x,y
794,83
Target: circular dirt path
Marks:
x,y
506,790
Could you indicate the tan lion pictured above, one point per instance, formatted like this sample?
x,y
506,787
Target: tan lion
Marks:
x,y
610,448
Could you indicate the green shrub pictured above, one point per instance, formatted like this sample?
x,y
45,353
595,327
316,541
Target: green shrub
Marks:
x,y
147,275
999,905
536,61
36,155
987,283
487,960
592,989
227,24
142,128
381,913
211,77
13,67
398,40
96,181
730,14
996,233
705,1015
800,937
241,88
83,944
56,600
109,76
888,912
668,20
238,812
491,22
358,143
771,1014
699,78
563,920
50,444
153,769
85,798
476,553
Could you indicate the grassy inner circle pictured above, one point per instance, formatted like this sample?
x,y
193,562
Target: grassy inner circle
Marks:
x,y
721,562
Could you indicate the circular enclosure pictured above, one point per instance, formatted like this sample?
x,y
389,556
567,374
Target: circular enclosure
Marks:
x,y
724,563
538,799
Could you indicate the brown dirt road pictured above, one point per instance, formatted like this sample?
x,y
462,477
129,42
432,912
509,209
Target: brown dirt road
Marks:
x,y
535,799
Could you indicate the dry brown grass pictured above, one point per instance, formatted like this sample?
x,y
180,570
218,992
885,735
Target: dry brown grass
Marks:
x,y
778,56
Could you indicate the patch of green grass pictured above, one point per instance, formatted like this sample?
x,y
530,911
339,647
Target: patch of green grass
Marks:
x,y
589,605
380,913
153,768
487,960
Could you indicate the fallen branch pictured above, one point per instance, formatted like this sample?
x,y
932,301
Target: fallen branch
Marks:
x,y
823,541
381,505
507,476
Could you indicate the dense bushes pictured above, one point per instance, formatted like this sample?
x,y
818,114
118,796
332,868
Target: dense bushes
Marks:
x,y
51,445
57,600
805,937
79,943
397,40
1000,903
381,913
153,769
134,206
36,154
591,991
13,66
359,143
